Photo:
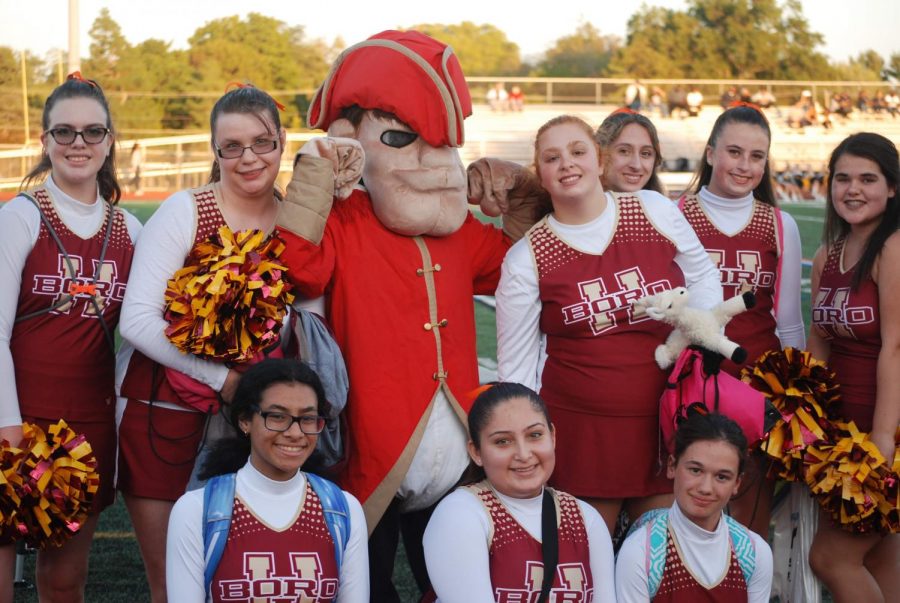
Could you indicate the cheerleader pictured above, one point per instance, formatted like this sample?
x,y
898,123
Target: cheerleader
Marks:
x,y
856,330
693,551
159,441
488,542
756,247
65,256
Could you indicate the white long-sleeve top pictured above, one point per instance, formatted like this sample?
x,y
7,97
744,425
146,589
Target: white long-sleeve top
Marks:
x,y
20,224
520,344
277,505
706,555
730,216
161,250
456,546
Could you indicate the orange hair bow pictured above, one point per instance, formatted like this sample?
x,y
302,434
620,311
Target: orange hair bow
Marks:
x,y
755,107
76,75
625,110
240,85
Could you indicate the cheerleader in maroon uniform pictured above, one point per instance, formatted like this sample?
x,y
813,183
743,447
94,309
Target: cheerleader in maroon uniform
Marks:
x,y
756,247
566,326
159,442
65,254
693,551
278,546
856,330
487,541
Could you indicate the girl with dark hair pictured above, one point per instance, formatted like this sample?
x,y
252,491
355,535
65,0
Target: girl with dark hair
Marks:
x,y
856,330
629,146
566,325
756,247
159,442
65,256
693,551
277,543
487,541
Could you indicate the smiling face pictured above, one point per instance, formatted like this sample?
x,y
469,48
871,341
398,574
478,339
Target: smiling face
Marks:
x,y
738,160
859,191
75,166
629,160
249,176
516,448
416,189
706,477
568,165
279,455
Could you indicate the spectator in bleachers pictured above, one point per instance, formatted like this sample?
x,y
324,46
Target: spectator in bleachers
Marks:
x,y
728,97
694,101
745,95
678,102
635,95
878,103
892,102
862,102
516,99
763,98
498,97
658,103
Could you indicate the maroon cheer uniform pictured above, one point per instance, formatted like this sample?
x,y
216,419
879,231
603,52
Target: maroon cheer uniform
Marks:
x,y
260,563
600,380
678,585
747,261
517,570
81,386
849,319
158,445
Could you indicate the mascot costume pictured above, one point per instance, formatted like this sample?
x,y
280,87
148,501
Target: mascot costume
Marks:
x,y
398,258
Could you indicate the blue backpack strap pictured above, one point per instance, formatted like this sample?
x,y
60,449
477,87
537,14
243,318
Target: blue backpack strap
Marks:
x,y
337,513
744,549
218,502
657,538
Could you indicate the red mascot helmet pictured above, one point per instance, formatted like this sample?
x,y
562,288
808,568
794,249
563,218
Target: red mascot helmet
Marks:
x,y
406,73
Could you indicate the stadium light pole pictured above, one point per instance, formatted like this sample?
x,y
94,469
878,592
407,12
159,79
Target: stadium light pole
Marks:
x,y
74,51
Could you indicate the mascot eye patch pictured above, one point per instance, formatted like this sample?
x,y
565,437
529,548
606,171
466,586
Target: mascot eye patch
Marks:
x,y
398,138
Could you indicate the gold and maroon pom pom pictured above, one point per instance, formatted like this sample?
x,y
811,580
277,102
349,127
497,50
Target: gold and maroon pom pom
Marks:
x,y
10,480
56,483
803,390
850,479
229,300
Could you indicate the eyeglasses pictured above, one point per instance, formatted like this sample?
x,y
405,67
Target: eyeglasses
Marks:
x,y
67,135
281,421
233,150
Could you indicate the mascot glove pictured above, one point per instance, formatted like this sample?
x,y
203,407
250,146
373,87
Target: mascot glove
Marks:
x,y
508,189
347,159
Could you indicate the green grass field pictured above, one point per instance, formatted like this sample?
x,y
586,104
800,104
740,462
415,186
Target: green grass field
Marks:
x,y
116,572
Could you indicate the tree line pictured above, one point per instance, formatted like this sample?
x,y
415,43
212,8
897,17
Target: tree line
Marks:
x,y
154,88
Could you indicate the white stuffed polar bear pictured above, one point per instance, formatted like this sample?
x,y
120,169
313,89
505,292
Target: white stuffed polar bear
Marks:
x,y
693,325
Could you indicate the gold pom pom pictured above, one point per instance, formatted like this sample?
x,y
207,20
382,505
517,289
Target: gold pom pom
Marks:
x,y
56,483
229,300
803,390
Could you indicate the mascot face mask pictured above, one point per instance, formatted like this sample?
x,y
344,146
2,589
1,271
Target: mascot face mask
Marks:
x,y
416,188
412,171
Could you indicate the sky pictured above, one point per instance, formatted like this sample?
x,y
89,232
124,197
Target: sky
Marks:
x,y
41,26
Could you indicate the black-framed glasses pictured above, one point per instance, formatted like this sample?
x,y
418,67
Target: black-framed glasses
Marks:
x,y
90,135
233,150
281,421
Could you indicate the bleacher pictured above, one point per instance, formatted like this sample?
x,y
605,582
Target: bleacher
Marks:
x,y
510,135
